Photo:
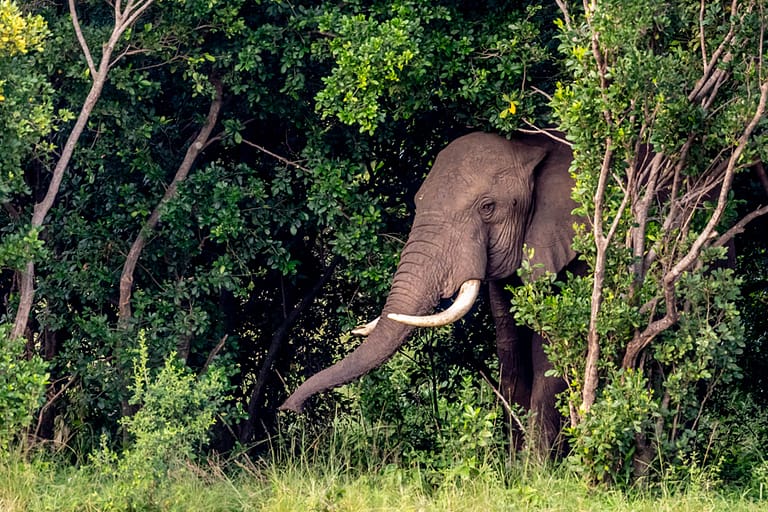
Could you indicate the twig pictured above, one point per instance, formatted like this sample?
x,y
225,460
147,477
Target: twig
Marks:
x,y
507,406
213,353
739,226
51,401
276,156
702,39
760,170
564,9
543,131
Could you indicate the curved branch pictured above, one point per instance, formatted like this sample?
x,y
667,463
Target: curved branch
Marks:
x,y
194,149
738,228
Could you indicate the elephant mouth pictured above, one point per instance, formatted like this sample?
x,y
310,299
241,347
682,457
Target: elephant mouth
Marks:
x,y
466,297
461,305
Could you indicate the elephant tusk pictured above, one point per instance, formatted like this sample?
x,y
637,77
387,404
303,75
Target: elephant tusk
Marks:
x,y
365,330
463,303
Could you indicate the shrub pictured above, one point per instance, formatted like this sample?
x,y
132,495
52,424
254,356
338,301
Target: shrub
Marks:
x,y
22,386
176,411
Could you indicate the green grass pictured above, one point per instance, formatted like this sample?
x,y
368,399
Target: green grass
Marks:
x,y
333,486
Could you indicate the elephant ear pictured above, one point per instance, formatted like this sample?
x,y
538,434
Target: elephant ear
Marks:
x,y
550,230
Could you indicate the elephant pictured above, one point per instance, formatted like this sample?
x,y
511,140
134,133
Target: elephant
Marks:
x,y
484,200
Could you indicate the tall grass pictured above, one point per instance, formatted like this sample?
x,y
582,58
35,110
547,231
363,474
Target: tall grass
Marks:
x,y
264,486
342,469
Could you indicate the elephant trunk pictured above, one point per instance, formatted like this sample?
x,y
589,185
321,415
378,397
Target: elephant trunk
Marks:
x,y
382,344
411,293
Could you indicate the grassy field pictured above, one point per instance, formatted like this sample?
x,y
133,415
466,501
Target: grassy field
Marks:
x,y
332,487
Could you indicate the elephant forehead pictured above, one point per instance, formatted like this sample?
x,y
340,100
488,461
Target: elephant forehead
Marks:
x,y
479,142
480,158
474,165
452,186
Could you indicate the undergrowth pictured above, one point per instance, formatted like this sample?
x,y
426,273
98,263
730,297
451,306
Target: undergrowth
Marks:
x,y
328,483
361,461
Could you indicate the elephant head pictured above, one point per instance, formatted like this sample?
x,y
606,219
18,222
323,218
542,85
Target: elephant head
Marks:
x,y
484,199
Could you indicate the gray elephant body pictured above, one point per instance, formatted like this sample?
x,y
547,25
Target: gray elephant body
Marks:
x,y
484,199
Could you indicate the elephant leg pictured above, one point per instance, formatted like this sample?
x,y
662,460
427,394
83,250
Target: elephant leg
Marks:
x,y
513,346
547,421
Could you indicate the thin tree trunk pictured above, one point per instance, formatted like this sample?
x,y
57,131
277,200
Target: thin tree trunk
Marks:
x,y
124,313
126,278
602,241
123,20
278,338
591,375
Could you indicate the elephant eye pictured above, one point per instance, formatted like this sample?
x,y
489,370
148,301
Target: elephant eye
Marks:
x,y
487,207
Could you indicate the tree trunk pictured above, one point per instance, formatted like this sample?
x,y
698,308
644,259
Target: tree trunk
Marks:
x,y
123,20
248,427
126,278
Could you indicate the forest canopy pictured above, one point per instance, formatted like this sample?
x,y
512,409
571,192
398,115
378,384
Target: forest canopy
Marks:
x,y
201,198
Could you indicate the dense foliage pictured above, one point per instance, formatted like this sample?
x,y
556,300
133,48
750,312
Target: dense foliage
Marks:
x,y
201,198
662,113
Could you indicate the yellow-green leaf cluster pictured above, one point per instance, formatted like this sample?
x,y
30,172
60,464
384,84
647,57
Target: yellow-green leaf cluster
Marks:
x,y
19,33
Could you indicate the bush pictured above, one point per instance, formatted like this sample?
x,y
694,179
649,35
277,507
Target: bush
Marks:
x,y
22,386
432,414
176,411
605,442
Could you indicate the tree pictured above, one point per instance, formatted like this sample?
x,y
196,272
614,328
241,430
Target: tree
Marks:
x,y
124,18
665,106
26,117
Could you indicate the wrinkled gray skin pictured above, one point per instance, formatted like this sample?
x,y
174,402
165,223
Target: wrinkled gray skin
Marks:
x,y
484,198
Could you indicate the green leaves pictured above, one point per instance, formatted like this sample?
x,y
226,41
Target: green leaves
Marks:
x,y
19,33
22,386
410,58
26,105
605,442
17,248
332,113
370,56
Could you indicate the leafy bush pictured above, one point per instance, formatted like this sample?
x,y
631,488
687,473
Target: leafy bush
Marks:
x,y
176,411
605,441
472,436
431,414
22,386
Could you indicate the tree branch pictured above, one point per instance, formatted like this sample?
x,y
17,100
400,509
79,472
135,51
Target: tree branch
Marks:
x,y
761,175
213,353
500,396
738,228
591,377
702,39
644,338
276,343
81,38
126,278
275,156
564,9
706,80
